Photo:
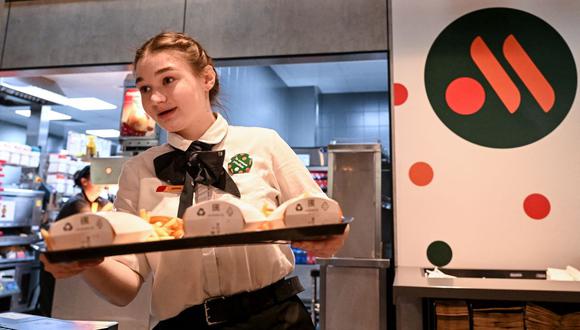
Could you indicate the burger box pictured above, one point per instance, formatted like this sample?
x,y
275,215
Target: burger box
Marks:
x,y
222,222
231,215
85,230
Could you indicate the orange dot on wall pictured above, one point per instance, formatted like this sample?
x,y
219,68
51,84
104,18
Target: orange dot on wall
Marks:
x,y
421,174
465,96
537,206
401,93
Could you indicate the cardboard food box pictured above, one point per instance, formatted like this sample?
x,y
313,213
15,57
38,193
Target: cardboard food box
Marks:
x,y
232,215
98,229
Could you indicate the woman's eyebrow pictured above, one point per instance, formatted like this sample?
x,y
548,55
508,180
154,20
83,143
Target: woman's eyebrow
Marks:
x,y
158,72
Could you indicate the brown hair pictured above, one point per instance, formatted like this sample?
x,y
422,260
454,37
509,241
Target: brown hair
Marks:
x,y
191,50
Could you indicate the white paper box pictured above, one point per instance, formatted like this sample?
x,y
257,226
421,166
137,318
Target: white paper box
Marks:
x,y
98,229
35,159
214,217
4,154
62,166
14,158
309,211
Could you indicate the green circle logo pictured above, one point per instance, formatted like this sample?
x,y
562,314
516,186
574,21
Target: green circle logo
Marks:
x,y
500,78
439,253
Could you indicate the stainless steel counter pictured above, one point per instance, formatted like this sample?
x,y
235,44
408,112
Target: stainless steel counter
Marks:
x,y
32,322
411,282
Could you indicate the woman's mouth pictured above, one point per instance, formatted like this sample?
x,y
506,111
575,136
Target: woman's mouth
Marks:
x,y
166,113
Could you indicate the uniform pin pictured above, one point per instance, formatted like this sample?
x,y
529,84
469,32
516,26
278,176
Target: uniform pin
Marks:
x,y
240,163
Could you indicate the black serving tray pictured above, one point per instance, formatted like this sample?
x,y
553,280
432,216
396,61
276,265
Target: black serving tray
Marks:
x,y
280,236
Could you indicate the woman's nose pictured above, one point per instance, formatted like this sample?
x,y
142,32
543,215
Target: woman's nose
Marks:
x,y
158,97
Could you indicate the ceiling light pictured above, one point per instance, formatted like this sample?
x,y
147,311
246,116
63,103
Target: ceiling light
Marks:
x,y
38,92
51,115
81,103
104,133
90,103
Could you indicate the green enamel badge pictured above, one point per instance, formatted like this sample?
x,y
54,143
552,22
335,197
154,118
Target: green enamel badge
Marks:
x,y
240,163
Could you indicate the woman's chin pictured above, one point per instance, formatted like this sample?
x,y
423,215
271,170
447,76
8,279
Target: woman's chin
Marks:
x,y
170,126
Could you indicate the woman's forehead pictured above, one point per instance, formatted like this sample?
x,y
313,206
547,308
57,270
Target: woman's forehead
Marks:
x,y
152,62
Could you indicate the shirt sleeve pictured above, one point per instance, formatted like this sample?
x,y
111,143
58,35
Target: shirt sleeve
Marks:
x,y
127,199
292,176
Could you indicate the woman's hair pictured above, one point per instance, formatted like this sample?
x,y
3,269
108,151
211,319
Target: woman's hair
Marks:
x,y
190,49
84,173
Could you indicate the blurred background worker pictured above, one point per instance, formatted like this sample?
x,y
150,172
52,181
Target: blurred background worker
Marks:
x,y
88,200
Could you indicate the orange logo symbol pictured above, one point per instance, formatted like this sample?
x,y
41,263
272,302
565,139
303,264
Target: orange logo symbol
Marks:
x,y
524,67
500,85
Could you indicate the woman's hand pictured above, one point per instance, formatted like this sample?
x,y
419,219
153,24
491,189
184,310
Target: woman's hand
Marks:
x,y
325,248
68,269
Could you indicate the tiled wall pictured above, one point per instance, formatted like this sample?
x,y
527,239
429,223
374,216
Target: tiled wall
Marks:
x,y
354,117
301,107
253,96
256,96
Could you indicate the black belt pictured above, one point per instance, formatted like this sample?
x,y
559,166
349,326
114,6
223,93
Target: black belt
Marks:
x,y
219,310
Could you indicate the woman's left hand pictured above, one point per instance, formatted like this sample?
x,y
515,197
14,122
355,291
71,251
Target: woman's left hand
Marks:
x,y
325,248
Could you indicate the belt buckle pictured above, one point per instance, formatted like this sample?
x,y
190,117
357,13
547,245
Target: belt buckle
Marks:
x,y
206,309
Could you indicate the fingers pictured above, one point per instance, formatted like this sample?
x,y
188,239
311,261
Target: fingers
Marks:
x,y
90,262
324,248
68,269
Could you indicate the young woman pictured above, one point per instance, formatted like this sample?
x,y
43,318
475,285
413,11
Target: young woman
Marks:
x,y
239,287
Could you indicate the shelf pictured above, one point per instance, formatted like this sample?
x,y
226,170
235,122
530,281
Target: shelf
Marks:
x,y
5,262
17,240
317,168
411,282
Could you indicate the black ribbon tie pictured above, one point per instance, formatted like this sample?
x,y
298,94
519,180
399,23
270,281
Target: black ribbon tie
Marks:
x,y
197,165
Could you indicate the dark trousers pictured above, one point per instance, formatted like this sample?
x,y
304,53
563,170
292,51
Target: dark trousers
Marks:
x,y
289,314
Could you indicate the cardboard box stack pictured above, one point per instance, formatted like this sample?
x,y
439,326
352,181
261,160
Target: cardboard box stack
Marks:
x,y
539,318
497,315
18,154
61,168
452,314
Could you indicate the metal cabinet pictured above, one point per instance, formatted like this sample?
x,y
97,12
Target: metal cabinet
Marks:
x,y
20,212
353,284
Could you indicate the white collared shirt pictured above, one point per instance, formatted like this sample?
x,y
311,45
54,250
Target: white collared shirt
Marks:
x,y
183,278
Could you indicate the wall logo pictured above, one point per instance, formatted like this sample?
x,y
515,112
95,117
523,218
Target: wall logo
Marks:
x,y
500,77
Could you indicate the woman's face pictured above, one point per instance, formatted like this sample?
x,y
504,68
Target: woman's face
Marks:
x,y
173,95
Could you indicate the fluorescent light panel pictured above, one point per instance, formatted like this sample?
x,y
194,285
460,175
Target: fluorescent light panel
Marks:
x,y
51,115
81,103
90,103
38,92
104,133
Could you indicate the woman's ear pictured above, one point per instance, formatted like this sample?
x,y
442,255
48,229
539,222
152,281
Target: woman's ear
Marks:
x,y
208,74
84,182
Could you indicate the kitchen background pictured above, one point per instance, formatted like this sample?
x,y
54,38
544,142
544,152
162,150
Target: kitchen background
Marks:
x,y
308,104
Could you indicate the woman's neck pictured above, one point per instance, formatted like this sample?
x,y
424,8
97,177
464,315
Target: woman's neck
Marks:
x,y
202,125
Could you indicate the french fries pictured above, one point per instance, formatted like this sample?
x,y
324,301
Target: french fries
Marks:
x,y
164,227
47,238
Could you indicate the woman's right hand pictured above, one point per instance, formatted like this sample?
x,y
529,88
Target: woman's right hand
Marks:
x,y
67,269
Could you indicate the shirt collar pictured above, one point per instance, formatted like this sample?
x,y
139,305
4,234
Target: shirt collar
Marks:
x,y
213,135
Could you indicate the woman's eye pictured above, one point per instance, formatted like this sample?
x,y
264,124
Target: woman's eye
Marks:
x,y
168,80
144,89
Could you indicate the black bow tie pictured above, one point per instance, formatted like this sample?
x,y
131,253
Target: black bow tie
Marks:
x,y
197,165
